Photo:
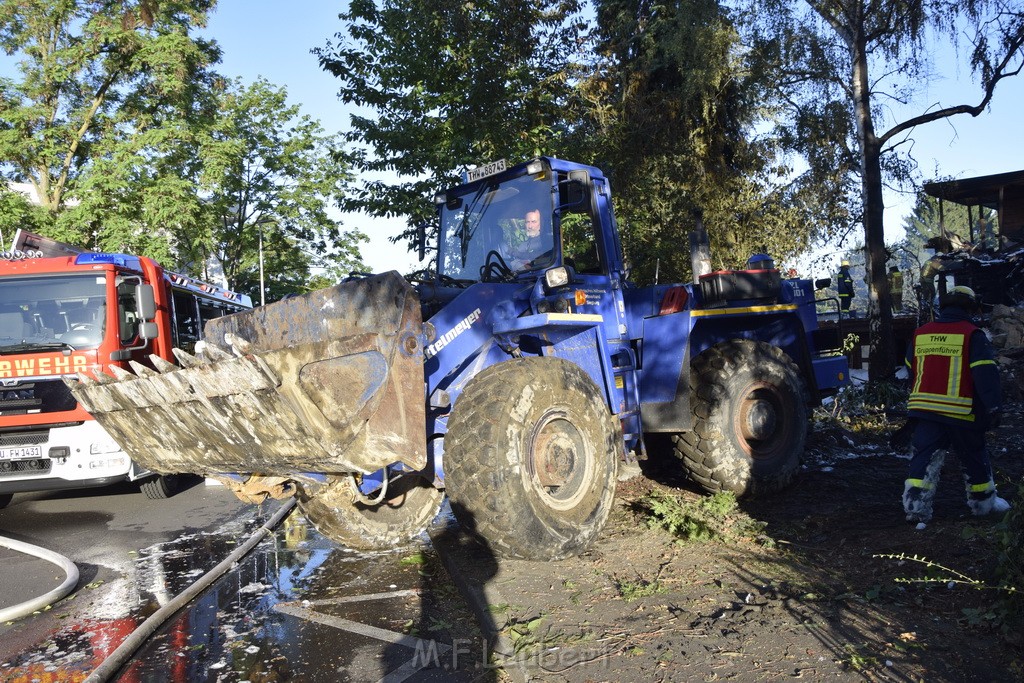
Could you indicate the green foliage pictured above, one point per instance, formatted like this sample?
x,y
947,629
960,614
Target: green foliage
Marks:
x,y
936,573
269,176
134,145
708,518
107,92
631,591
859,662
1010,561
850,342
16,212
669,115
440,86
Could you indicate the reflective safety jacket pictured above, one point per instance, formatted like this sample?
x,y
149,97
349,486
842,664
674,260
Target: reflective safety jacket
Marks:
x,y
844,283
953,373
940,370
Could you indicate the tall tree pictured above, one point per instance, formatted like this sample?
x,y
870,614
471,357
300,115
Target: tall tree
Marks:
x,y
672,114
101,84
270,177
842,63
442,85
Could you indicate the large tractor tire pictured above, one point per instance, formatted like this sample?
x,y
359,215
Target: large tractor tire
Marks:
x,y
750,419
334,510
530,458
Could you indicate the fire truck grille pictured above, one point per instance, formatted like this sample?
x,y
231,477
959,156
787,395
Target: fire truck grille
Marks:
x,y
23,438
39,396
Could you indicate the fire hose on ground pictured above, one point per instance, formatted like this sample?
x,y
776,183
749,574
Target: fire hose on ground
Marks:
x,y
113,663
29,606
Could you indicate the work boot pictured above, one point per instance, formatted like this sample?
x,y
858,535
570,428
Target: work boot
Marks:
x,y
917,503
990,504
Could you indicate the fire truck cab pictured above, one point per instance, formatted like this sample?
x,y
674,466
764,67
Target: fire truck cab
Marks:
x,y
85,312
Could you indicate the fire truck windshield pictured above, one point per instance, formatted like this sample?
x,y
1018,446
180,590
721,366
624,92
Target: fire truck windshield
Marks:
x,y
44,312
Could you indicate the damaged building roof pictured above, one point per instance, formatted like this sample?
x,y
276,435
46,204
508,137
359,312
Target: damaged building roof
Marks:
x,y
1003,192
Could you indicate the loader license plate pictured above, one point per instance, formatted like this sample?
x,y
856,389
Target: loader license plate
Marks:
x,y
485,170
20,452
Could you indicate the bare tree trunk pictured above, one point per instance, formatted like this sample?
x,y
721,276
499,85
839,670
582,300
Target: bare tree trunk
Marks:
x,y
882,358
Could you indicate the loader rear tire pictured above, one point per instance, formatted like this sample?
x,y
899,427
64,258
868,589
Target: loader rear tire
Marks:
x,y
749,419
530,458
411,503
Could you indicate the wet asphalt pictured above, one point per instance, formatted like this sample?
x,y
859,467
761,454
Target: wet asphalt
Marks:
x,y
298,608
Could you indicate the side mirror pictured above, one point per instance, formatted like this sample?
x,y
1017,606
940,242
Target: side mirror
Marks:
x,y
577,191
146,301
148,330
421,241
822,283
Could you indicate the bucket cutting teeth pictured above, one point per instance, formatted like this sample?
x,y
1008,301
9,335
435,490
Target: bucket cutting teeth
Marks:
x,y
120,373
161,365
319,383
186,359
214,353
141,370
73,382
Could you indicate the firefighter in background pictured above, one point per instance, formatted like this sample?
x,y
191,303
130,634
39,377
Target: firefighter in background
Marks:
x,y
844,283
896,288
954,399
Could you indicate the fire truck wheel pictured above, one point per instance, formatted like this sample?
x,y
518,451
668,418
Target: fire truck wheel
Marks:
x,y
749,419
408,507
161,486
530,458
5,499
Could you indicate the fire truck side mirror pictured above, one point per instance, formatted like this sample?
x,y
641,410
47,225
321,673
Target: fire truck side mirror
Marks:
x,y
148,330
146,301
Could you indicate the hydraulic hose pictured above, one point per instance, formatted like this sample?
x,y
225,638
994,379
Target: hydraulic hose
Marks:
x,y
113,663
30,606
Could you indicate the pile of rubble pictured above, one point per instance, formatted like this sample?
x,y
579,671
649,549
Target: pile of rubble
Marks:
x,y
1007,331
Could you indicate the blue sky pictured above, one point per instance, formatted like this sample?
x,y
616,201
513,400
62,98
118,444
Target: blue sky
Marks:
x,y
273,39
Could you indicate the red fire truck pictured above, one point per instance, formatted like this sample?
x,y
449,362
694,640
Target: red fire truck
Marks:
x,y
75,313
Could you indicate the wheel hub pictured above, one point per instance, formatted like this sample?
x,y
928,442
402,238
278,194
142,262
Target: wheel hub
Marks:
x,y
558,462
758,419
555,458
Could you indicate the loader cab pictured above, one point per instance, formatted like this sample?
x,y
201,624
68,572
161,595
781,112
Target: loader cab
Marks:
x,y
497,229
511,224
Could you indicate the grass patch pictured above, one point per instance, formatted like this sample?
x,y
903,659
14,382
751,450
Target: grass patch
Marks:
x,y
641,588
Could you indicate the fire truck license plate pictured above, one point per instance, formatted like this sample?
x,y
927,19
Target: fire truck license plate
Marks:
x,y
19,452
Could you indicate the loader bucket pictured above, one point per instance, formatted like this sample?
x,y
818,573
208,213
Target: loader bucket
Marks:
x,y
326,382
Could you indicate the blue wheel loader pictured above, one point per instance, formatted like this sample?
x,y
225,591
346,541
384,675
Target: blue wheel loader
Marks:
x,y
516,375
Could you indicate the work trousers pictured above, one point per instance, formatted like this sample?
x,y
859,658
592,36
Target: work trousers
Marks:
x,y
931,440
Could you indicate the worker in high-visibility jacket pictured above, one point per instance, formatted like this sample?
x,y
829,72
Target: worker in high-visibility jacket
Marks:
x,y
954,398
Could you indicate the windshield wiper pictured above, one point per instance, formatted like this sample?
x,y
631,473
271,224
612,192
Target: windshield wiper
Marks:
x,y
35,346
465,233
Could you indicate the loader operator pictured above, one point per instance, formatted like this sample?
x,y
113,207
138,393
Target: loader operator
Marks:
x,y
954,398
527,253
